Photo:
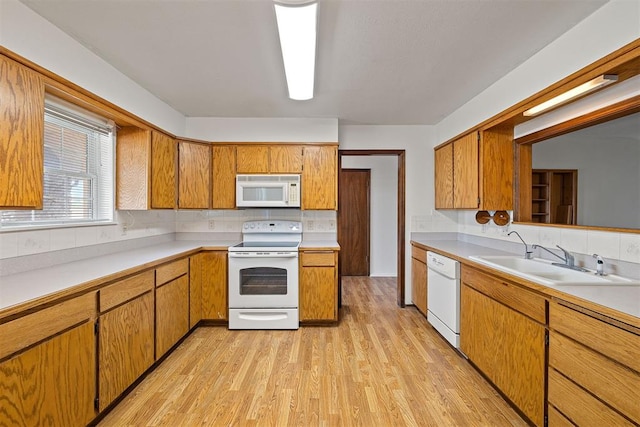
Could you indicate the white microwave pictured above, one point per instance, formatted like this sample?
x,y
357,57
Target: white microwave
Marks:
x,y
268,191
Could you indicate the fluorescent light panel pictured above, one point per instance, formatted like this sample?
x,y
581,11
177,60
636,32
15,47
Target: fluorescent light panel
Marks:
x,y
567,96
297,29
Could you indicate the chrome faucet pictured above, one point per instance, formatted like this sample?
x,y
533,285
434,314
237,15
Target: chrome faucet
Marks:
x,y
527,253
568,259
599,265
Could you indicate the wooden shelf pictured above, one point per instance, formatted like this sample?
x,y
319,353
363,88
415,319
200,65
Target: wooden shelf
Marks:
x,y
554,194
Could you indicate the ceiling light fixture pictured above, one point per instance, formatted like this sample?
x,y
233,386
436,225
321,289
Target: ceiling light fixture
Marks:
x,y
297,22
583,89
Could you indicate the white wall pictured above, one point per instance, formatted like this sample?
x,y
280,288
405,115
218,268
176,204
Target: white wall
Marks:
x,y
418,142
262,129
614,25
31,36
383,211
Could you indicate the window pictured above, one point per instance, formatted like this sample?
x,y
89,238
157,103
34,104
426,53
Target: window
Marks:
x,y
78,170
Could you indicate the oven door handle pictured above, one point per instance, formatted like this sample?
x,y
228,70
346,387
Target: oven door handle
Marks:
x,y
263,254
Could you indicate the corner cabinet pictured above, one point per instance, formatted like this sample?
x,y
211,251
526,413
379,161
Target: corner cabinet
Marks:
x,y
208,287
320,178
21,136
419,278
48,365
503,332
318,286
476,171
146,170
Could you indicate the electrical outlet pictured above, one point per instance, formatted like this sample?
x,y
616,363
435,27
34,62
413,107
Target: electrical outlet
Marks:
x,y
212,224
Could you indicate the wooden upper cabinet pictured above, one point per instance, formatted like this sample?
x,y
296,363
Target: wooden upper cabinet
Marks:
x,y
285,159
194,178
146,166
21,136
224,177
320,177
163,171
476,171
465,172
252,159
282,158
444,177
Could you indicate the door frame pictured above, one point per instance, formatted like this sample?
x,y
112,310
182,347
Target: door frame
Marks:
x,y
400,154
368,172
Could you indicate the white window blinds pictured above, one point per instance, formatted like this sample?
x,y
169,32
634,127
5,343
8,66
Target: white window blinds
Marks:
x,y
78,170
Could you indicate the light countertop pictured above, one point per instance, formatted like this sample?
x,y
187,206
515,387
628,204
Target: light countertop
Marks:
x,y
622,299
79,275
39,285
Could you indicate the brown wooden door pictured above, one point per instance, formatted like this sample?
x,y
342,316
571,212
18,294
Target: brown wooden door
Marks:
x,y
354,207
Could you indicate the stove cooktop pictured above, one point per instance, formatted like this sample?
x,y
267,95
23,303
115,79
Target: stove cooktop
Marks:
x,y
260,245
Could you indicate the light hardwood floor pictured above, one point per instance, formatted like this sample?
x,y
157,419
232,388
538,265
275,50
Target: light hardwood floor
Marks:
x,y
382,366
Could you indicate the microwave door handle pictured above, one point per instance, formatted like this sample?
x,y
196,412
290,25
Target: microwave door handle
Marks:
x,y
286,194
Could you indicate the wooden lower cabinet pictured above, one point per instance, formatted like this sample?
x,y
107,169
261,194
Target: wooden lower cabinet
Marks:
x,y
318,286
419,279
506,345
172,313
53,383
208,287
125,335
594,369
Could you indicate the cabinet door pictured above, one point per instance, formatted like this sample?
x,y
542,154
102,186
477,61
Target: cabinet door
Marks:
x,y
208,284
224,177
508,347
419,285
444,177
285,159
320,178
133,168
465,172
163,171
194,189
126,344
21,136
318,286
53,383
172,313
496,158
252,159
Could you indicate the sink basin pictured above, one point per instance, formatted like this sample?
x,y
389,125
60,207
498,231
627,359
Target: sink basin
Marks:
x,y
544,272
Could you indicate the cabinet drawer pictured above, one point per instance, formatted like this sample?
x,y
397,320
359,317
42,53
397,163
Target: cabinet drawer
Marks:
x,y
579,406
318,259
507,293
125,290
419,254
30,329
603,337
168,272
608,380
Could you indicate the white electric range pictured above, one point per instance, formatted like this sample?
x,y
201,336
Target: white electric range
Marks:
x,y
263,276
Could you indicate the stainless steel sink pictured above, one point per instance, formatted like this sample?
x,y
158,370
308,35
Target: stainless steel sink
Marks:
x,y
544,272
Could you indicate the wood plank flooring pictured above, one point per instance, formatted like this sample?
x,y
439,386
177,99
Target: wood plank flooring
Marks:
x,y
382,366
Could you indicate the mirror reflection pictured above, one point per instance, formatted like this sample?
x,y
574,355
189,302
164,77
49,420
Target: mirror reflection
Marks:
x,y
589,177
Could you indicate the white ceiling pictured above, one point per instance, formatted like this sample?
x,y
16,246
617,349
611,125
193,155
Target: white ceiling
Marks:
x,y
386,62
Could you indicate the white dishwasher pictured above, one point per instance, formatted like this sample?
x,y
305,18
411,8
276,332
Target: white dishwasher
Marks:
x,y
443,296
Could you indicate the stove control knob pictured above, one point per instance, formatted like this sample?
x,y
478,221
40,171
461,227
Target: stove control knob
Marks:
x,y
245,226
252,226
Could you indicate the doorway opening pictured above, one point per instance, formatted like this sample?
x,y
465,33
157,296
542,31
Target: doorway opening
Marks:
x,y
400,213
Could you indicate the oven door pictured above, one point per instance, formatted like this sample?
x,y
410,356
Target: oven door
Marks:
x,y
263,279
